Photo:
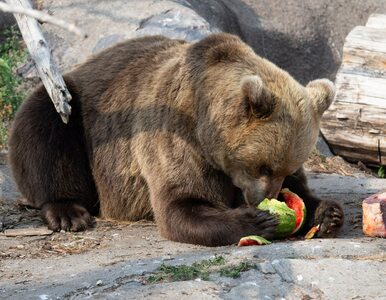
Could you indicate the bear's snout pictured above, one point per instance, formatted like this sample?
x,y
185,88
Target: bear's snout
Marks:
x,y
261,188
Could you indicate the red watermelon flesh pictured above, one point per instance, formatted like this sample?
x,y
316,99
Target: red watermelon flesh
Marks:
x,y
248,242
253,240
296,203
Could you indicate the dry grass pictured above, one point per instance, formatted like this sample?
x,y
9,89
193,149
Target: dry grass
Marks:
x,y
318,163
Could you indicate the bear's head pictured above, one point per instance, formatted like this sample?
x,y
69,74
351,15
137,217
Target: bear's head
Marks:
x,y
255,122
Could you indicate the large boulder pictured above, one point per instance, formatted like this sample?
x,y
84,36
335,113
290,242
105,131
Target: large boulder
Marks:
x,y
304,38
110,22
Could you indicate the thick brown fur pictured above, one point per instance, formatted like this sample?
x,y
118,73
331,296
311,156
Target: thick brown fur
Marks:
x,y
192,134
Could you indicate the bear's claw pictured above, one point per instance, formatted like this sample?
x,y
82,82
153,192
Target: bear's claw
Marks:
x,y
329,215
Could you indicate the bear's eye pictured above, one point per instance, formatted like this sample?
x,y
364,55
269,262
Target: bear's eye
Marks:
x,y
265,171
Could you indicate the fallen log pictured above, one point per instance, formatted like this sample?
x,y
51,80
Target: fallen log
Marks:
x,y
354,125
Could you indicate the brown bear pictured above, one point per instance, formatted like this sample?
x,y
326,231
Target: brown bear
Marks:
x,y
194,135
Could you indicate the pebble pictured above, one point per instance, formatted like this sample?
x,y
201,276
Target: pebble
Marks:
x,y
267,268
167,257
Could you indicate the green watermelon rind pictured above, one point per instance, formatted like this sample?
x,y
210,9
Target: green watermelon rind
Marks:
x,y
259,239
304,209
286,215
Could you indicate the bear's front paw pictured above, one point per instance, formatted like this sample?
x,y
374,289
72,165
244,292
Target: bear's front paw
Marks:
x,y
329,215
259,222
66,215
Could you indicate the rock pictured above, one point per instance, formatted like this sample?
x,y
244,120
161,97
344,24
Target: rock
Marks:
x,y
108,41
323,148
283,269
246,290
108,23
181,23
8,189
266,268
99,282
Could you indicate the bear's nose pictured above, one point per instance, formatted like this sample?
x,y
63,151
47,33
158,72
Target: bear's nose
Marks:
x,y
274,187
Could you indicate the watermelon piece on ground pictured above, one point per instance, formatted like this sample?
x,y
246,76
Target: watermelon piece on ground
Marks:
x,y
310,234
253,240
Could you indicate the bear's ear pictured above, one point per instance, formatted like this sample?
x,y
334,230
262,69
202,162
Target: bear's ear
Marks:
x,y
259,102
322,92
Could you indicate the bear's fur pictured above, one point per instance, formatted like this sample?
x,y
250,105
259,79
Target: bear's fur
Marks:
x,y
192,134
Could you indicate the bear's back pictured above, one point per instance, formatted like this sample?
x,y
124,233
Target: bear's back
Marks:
x,y
98,73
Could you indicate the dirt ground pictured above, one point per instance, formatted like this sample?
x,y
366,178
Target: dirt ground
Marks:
x,y
111,260
13,215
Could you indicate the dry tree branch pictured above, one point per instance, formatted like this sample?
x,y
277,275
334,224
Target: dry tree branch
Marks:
x,y
41,55
42,17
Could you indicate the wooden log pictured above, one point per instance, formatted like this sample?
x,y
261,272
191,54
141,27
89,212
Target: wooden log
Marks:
x,y
41,55
376,21
354,147
364,62
366,38
357,116
361,89
354,125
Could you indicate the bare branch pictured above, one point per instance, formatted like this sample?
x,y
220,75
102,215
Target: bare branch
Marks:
x,y
41,16
45,65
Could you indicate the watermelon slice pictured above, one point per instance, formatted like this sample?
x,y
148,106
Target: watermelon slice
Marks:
x,y
286,215
291,214
296,203
253,240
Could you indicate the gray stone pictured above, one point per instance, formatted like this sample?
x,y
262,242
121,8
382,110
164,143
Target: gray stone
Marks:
x,y
282,268
266,268
177,23
245,290
345,186
108,41
323,148
8,189
110,22
306,39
